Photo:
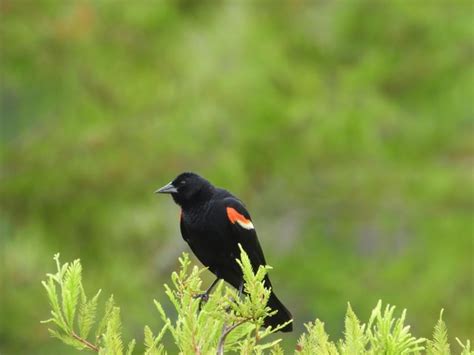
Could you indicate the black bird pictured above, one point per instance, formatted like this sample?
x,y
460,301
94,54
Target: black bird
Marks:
x,y
213,222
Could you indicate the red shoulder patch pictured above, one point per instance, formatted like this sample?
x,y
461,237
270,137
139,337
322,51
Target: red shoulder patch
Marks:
x,y
236,217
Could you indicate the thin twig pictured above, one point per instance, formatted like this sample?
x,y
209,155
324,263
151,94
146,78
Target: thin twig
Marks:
x,y
85,342
257,336
225,331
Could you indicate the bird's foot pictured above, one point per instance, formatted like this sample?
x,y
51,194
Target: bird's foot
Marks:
x,y
204,297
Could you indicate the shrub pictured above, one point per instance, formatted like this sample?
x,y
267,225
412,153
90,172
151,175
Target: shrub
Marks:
x,y
226,322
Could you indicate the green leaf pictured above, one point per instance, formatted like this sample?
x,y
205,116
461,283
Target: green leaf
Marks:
x,y
316,340
466,348
109,306
130,347
355,339
112,337
87,314
71,287
68,340
226,322
439,345
54,302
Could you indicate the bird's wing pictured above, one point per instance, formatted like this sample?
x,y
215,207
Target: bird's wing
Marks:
x,y
182,226
243,231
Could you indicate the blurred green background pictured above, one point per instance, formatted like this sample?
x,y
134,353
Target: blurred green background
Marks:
x,y
346,127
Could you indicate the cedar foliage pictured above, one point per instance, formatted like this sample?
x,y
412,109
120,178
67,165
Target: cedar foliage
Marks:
x,y
225,323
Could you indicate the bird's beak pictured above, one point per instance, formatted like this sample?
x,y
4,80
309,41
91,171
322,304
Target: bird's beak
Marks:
x,y
167,189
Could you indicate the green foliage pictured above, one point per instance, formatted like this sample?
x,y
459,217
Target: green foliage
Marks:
x,y
439,345
73,300
315,340
87,313
225,322
383,334
153,344
355,339
389,335
466,348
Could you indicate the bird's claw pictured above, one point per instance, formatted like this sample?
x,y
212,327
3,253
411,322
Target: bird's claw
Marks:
x,y
204,297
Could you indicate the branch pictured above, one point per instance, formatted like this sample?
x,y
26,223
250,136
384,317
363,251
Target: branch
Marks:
x,y
225,331
85,342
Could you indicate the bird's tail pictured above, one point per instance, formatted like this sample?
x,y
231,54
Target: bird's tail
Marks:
x,y
282,316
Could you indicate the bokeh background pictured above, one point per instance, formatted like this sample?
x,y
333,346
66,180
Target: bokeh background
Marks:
x,y
346,127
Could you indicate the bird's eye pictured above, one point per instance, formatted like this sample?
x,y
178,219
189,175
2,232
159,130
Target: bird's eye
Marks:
x,y
182,182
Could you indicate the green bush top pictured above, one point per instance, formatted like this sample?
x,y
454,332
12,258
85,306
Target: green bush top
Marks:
x,y
224,323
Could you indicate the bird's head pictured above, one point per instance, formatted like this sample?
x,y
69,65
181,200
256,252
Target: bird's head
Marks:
x,y
187,188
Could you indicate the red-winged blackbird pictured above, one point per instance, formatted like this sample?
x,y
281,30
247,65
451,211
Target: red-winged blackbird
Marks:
x,y
213,222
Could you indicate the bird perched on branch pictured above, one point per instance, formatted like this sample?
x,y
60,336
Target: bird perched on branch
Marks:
x,y
214,222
